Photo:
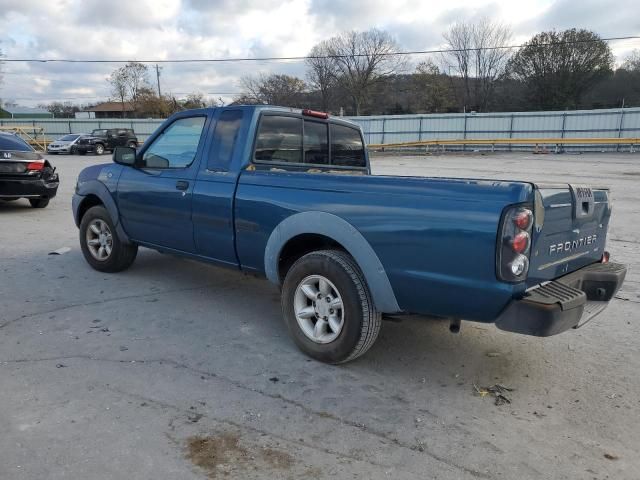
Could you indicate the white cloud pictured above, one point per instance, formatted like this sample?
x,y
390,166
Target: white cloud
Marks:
x,y
179,29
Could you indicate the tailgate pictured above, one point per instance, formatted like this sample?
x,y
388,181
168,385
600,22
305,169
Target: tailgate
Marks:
x,y
570,229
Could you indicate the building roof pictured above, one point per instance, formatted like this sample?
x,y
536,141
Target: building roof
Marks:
x,y
110,107
25,110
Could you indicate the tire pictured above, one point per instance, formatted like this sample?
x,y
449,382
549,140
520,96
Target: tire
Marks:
x,y
132,145
121,255
360,321
73,150
98,149
39,202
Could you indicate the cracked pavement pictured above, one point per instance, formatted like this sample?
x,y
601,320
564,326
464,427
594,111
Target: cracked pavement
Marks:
x,y
107,376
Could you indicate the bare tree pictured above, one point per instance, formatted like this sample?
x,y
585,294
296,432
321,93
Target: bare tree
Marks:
x,y
119,86
632,61
1,65
137,78
273,89
322,73
477,58
361,60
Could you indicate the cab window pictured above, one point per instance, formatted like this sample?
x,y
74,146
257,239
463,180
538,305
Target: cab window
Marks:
x,y
279,139
316,143
224,139
177,145
347,149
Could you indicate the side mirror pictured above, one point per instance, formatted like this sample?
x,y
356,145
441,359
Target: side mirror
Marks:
x,y
124,156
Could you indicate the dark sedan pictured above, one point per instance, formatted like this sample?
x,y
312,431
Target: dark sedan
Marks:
x,y
24,173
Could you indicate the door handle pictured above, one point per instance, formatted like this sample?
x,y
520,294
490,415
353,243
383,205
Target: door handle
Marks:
x,y
182,185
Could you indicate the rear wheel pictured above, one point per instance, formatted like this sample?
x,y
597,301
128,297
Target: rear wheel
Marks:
x,y
39,202
328,307
132,145
100,244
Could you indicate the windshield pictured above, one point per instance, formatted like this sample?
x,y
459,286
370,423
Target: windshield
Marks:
x,y
14,143
68,138
99,133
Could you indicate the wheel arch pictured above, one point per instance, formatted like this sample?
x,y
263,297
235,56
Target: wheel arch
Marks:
x,y
93,193
309,231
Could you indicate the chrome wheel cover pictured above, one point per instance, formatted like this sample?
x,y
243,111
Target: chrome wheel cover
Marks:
x,y
99,239
319,309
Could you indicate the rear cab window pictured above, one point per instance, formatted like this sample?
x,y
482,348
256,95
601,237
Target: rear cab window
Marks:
x,y
298,141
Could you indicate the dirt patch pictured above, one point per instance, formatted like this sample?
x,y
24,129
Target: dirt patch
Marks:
x,y
277,458
222,455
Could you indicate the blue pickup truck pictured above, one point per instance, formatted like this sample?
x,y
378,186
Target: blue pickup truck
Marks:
x,y
288,194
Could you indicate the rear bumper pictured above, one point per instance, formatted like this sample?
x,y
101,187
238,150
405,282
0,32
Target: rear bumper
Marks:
x,y
567,302
29,188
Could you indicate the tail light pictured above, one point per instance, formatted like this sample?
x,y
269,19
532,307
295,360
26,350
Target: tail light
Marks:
x,y
514,244
32,166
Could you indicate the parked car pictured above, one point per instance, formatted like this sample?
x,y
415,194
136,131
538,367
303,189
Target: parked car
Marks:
x,y
106,139
288,194
24,173
65,144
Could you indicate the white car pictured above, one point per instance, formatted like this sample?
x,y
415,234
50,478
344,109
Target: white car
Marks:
x,y
64,144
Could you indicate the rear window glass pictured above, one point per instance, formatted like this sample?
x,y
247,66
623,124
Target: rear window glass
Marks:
x,y
224,139
346,147
279,139
68,138
316,143
14,143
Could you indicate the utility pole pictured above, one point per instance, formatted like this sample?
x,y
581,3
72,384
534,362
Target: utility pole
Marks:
x,y
158,79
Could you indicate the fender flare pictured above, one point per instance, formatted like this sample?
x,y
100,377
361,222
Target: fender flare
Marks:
x,y
97,188
341,231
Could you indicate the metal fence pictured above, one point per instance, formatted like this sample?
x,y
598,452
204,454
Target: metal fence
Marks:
x,y
610,123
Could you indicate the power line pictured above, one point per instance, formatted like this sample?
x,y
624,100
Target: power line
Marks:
x,y
299,58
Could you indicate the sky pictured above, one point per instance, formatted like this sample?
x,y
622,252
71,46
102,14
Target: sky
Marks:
x,y
179,29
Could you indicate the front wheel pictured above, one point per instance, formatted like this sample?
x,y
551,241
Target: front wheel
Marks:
x,y
328,307
99,149
100,244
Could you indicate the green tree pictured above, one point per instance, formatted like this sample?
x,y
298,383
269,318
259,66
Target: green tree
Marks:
x,y
558,68
432,88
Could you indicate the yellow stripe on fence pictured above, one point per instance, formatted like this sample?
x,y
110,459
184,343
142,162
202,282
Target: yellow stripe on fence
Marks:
x,y
512,141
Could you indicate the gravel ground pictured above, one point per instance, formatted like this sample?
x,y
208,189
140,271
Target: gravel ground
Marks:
x,y
175,369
